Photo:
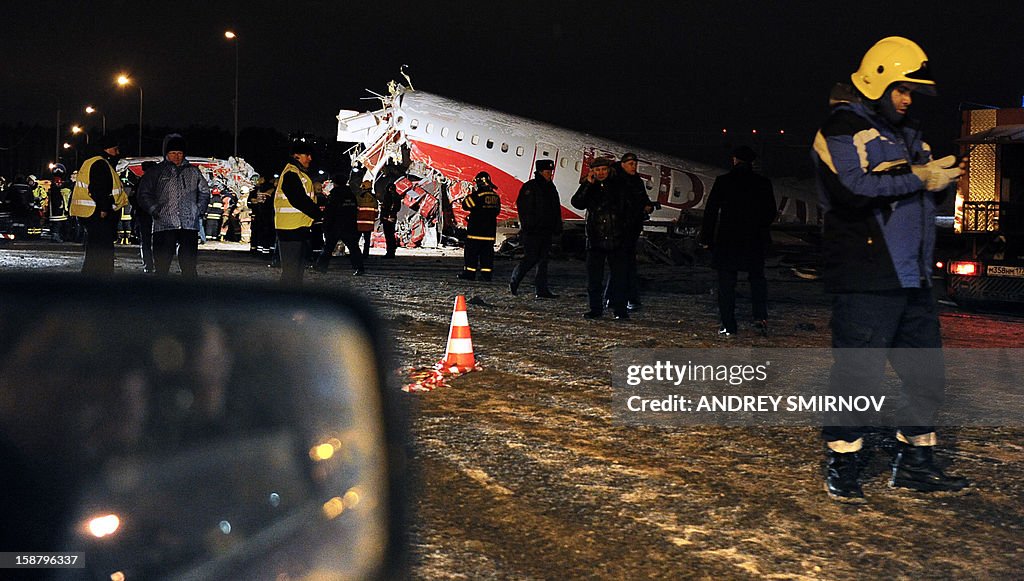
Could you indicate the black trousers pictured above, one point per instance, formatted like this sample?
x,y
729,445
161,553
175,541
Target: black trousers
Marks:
x,y
537,247
213,228
390,240
479,256
632,278
367,238
351,242
183,242
902,327
618,265
727,279
144,222
99,243
293,248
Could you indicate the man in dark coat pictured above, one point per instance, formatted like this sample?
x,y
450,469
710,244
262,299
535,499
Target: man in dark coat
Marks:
x,y
340,224
483,205
636,191
739,211
540,219
609,218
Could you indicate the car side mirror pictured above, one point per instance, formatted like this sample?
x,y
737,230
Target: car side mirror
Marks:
x,y
161,429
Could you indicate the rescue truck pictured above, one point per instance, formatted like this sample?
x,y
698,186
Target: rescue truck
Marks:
x,y
989,211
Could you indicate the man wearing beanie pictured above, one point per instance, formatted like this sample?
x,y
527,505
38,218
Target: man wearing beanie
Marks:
x,y
879,189
739,210
540,219
175,194
295,209
97,200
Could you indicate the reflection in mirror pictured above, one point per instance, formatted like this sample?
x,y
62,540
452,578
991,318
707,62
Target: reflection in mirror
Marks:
x,y
193,438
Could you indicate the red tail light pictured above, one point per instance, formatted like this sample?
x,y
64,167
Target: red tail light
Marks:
x,y
964,268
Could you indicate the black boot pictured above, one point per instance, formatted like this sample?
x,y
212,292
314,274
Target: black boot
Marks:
x,y
841,477
915,468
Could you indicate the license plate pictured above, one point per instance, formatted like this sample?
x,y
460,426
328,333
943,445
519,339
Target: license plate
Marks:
x,y
1011,271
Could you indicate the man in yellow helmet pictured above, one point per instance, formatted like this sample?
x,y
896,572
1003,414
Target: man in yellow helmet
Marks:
x,y
295,209
97,200
879,188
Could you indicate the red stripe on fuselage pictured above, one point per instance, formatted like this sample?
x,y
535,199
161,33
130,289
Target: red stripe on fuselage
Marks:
x,y
462,167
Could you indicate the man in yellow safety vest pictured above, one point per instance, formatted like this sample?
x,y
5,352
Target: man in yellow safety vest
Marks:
x,y
97,200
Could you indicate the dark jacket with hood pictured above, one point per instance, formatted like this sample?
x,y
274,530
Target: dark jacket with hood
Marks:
x,y
879,222
176,196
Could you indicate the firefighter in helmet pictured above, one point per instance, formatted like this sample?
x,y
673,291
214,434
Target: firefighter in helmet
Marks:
x,y
483,205
879,188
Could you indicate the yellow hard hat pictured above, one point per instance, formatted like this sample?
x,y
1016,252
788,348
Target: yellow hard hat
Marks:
x,y
892,60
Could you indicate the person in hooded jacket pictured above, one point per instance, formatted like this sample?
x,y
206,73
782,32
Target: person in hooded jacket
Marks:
x,y
879,189
175,194
340,224
483,205
739,210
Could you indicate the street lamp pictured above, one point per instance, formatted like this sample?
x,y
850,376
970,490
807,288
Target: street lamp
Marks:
x,y
124,80
90,110
68,146
230,35
76,129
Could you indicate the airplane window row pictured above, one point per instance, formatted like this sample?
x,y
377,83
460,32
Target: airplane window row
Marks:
x,y
461,136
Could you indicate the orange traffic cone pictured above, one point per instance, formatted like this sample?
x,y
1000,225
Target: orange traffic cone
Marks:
x,y
458,356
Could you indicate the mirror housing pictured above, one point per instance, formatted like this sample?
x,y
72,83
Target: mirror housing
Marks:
x,y
208,430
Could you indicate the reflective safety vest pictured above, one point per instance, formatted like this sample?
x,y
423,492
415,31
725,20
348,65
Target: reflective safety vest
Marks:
x,y
82,204
216,209
366,214
56,210
286,216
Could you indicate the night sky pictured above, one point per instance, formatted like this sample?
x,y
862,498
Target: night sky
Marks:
x,y
663,75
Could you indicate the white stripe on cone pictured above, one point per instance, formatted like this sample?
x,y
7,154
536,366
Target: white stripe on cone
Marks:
x,y
460,319
459,346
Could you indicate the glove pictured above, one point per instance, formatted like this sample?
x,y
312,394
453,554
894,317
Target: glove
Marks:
x,y
936,175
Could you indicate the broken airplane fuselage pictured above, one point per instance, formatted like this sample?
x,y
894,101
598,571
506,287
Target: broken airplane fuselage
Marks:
x,y
446,143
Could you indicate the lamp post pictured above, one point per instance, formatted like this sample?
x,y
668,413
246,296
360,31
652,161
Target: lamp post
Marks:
x,y
230,35
90,110
123,80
